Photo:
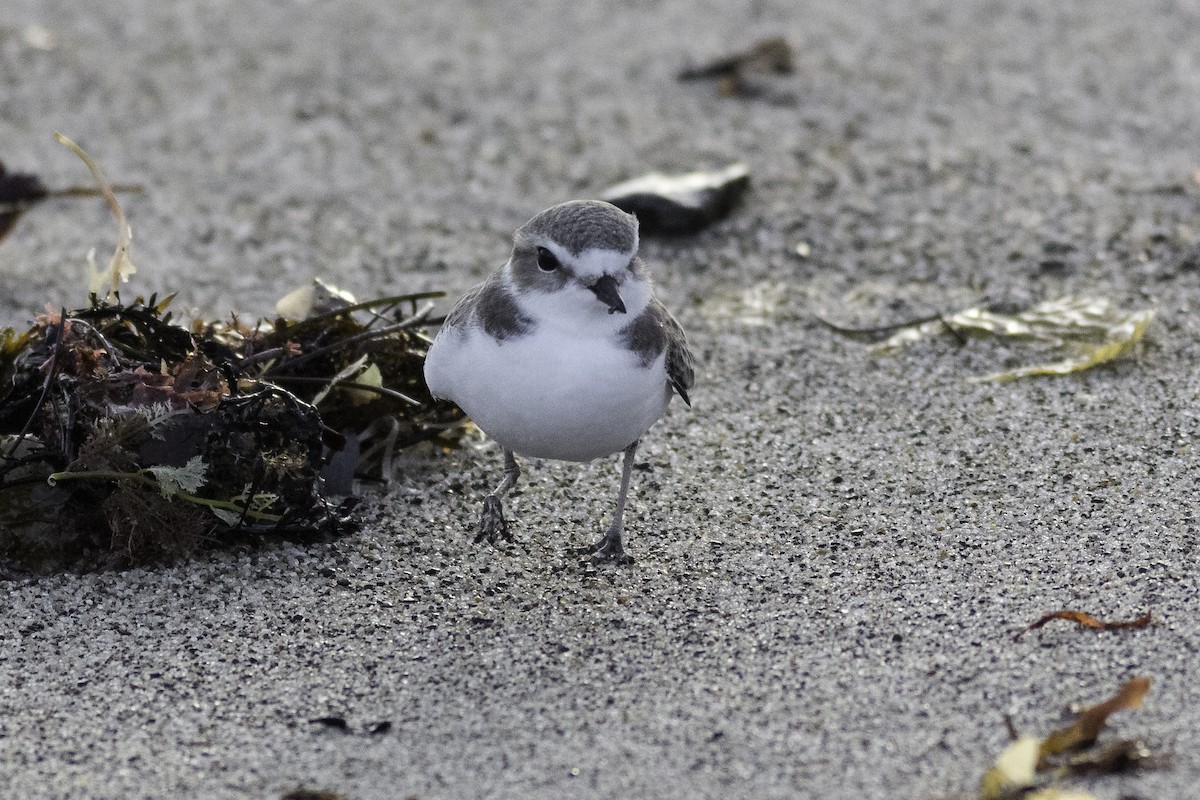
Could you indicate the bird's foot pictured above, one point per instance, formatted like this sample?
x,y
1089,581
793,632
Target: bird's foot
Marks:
x,y
492,523
608,549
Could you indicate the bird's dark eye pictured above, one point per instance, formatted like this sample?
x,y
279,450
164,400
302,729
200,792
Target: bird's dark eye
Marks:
x,y
546,260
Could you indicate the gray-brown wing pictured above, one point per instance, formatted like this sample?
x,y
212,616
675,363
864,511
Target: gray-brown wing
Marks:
x,y
681,367
652,331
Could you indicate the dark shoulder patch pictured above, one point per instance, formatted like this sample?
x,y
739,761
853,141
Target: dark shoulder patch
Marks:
x,y
645,335
655,329
499,313
491,306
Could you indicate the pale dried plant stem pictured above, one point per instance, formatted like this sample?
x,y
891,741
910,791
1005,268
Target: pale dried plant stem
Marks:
x,y
124,233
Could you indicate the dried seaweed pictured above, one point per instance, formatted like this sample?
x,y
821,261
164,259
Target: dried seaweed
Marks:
x,y
304,793
1086,620
772,55
1031,767
128,438
1086,728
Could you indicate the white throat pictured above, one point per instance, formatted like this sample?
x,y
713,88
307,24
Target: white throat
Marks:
x,y
574,310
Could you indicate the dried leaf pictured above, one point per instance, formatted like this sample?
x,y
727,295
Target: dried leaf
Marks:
x,y
1013,771
1089,326
1121,338
1029,767
1054,793
296,304
1091,721
371,376
1120,756
1086,620
316,298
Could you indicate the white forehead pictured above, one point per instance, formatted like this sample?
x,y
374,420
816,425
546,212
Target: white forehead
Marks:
x,y
593,262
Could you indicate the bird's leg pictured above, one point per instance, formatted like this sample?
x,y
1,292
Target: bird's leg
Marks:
x,y
492,522
610,546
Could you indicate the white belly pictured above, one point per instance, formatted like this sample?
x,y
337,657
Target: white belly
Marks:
x,y
575,400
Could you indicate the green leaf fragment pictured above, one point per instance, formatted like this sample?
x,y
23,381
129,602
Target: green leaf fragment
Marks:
x,y
172,480
230,518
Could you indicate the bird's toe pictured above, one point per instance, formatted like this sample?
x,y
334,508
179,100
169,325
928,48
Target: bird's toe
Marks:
x,y
492,524
609,548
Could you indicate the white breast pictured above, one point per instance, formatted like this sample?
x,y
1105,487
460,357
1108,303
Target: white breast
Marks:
x,y
549,395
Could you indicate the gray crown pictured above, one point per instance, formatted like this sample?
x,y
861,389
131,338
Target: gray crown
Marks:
x,y
579,225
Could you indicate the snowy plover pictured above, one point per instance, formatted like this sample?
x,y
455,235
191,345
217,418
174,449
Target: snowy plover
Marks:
x,y
564,352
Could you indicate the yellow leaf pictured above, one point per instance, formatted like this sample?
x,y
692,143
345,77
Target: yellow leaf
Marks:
x,y
371,376
1088,327
296,304
1059,794
1014,770
1120,339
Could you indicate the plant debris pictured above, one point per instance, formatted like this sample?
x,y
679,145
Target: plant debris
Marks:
x,y
1013,773
126,438
342,724
1087,726
1089,328
336,723
1031,767
680,204
21,191
1086,620
732,73
312,794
